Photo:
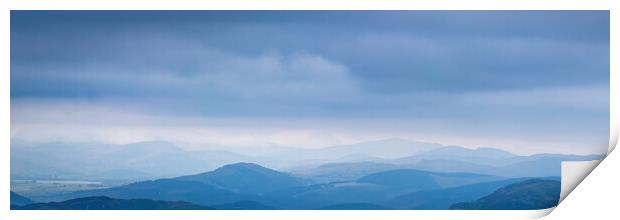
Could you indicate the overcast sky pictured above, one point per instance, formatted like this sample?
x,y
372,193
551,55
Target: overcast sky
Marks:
x,y
526,82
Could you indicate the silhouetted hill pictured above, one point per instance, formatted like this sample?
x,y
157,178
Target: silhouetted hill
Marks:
x,y
374,188
228,184
422,180
246,178
438,199
334,172
527,195
385,148
490,161
17,199
321,195
412,179
486,156
244,205
355,206
541,165
106,203
167,190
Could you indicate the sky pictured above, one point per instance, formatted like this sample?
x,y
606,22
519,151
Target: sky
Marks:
x,y
523,81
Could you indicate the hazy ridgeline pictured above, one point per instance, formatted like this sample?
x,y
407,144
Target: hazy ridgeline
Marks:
x,y
383,174
156,159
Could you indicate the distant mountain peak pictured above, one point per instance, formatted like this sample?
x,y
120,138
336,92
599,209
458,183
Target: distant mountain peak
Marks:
x,y
486,152
383,148
496,151
361,163
245,177
244,165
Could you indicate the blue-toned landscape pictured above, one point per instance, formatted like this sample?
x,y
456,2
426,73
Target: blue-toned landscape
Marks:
x,y
438,177
304,110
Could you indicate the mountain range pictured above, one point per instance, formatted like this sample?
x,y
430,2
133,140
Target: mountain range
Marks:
x,y
369,175
243,186
450,159
151,160
375,188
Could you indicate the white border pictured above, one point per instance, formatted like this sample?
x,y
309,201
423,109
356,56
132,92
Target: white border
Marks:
x,y
283,4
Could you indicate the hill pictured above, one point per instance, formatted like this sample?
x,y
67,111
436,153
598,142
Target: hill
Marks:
x,y
166,190
228,184
244,205
527,195
485,156
489,161
385,148
423,180
439,199
245,178
17,199
412,179
334,172
106,203
355,206
374,188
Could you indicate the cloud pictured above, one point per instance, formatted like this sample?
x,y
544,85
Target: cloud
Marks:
x,y
208,71
218,81
300,75
509,76
588,97
392,52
